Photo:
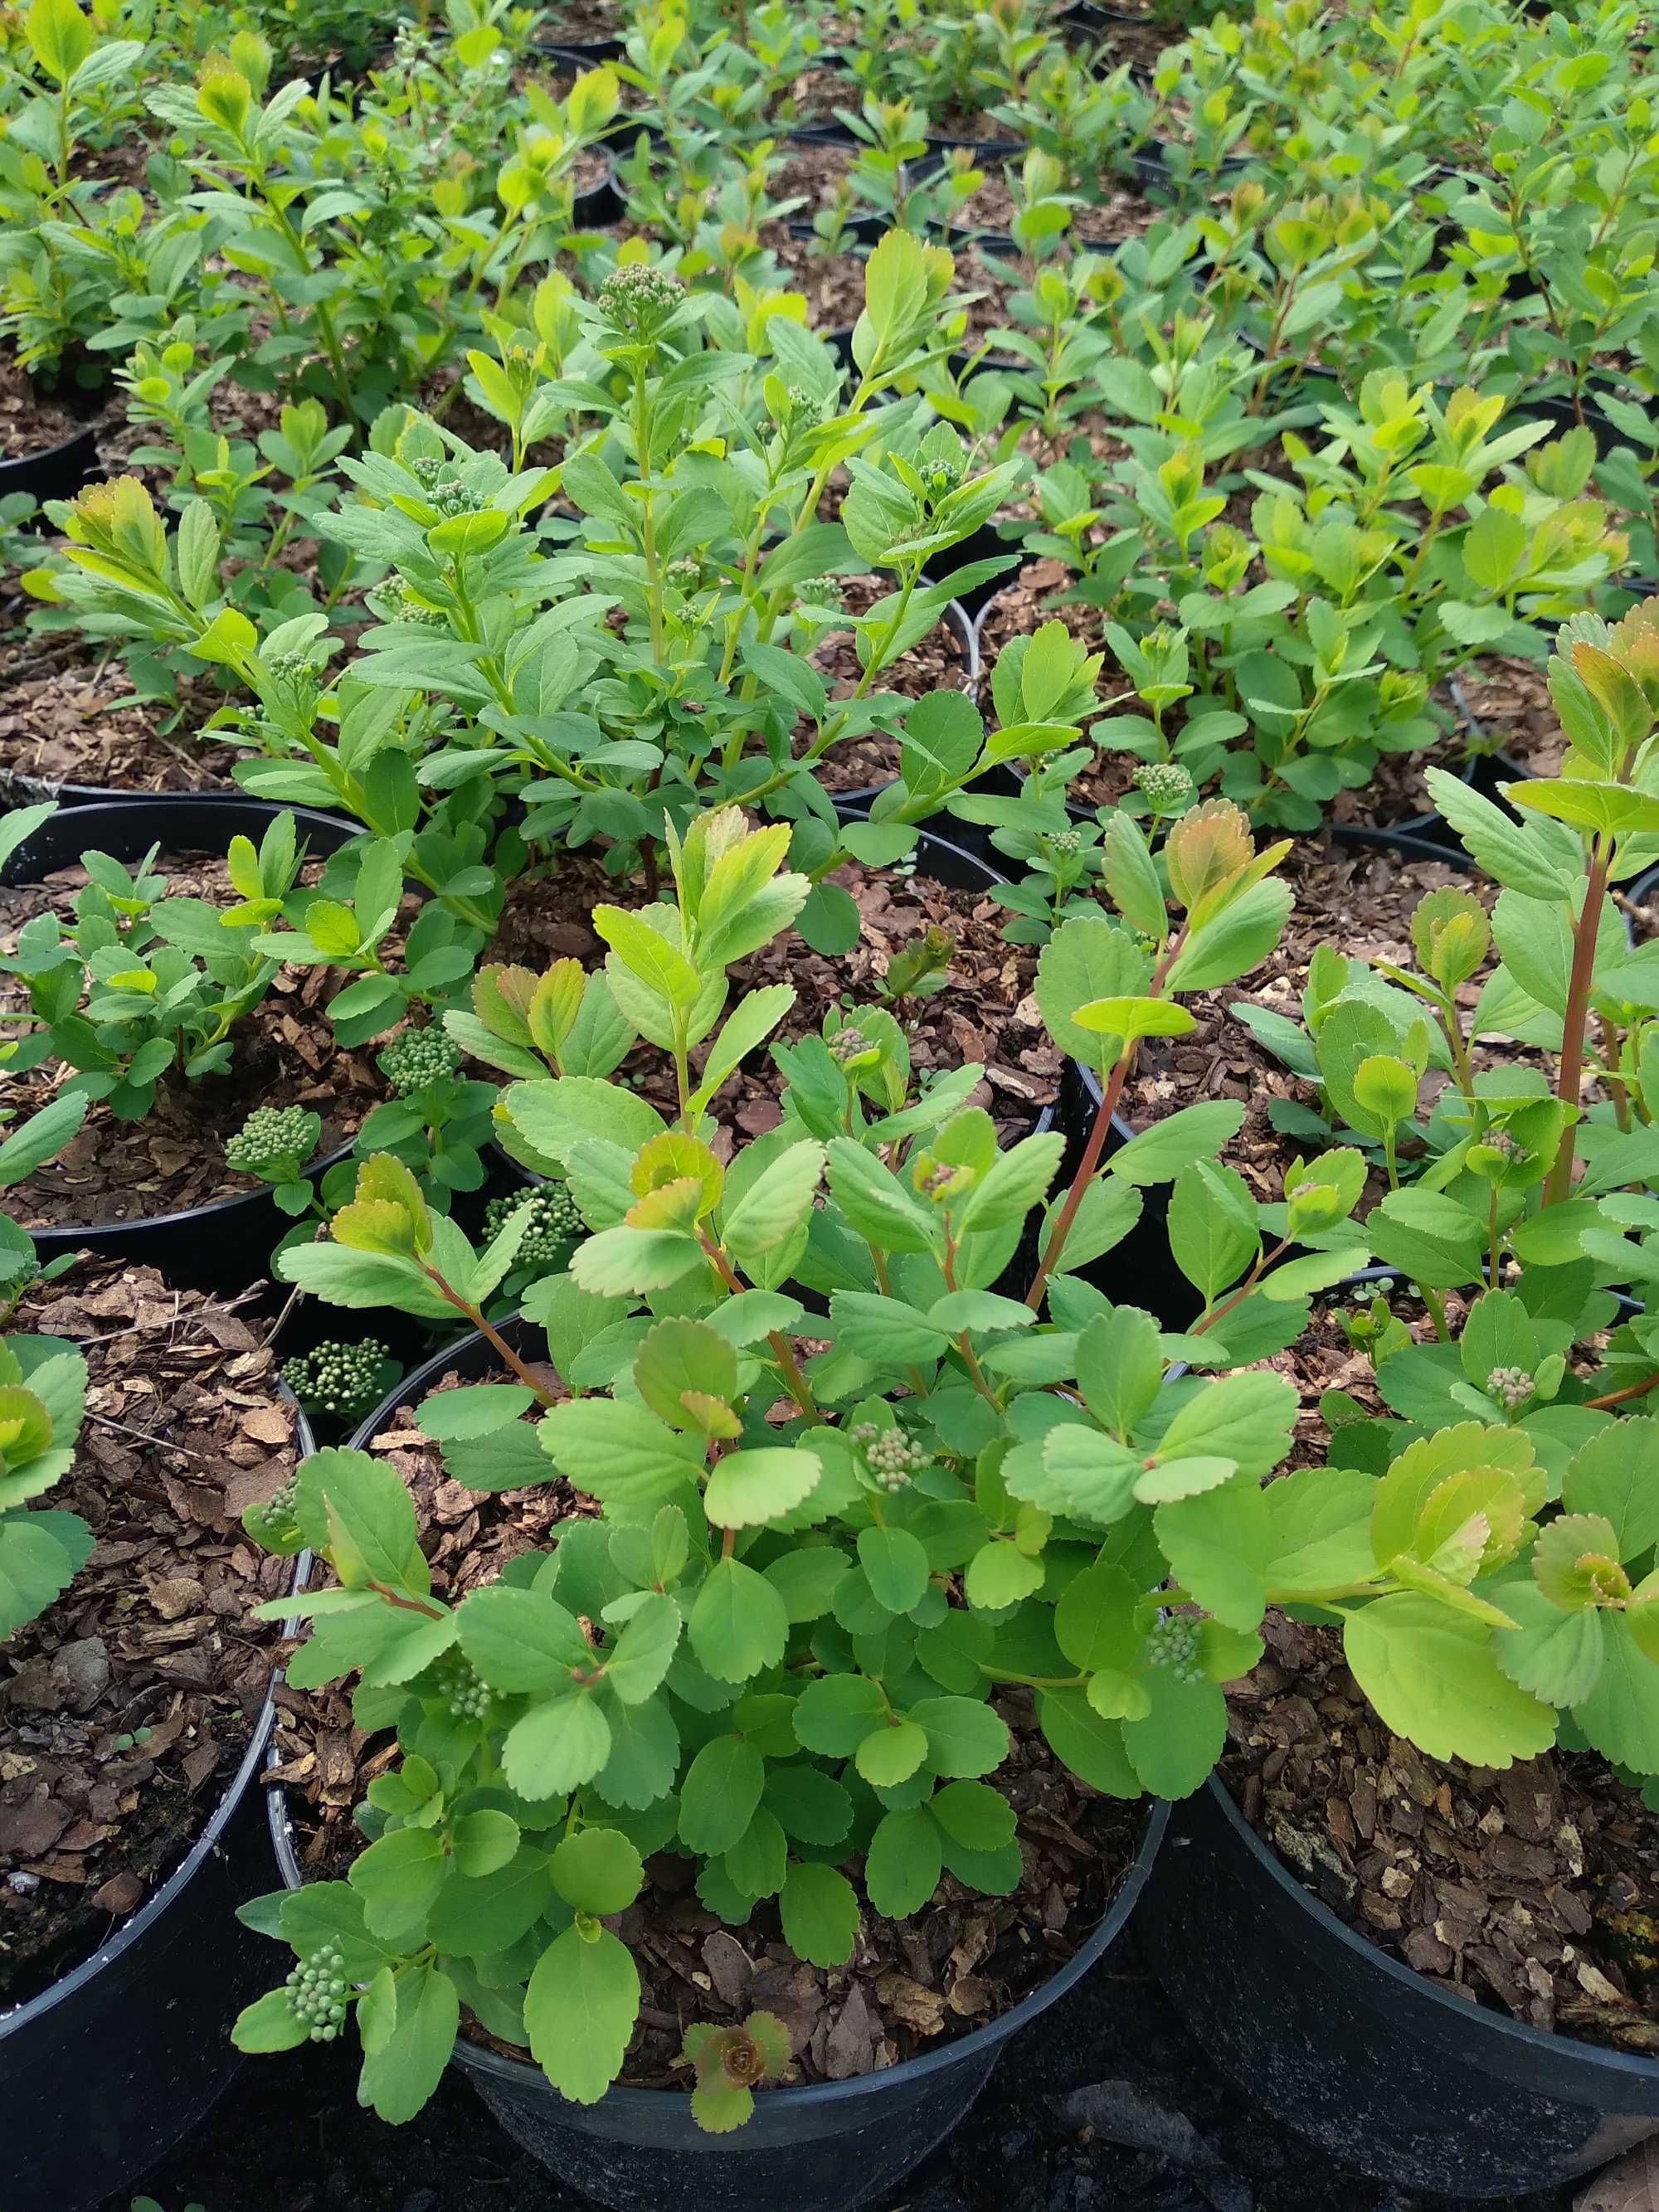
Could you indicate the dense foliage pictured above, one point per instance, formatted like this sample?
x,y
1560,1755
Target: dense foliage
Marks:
x,y
495,478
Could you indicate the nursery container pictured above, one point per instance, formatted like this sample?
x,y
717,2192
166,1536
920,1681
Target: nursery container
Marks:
x,y
1349,2047
106,2070
823,2149
224,1244
54,471
123,2057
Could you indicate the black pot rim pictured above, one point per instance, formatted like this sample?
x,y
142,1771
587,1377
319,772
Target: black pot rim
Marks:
x,y
122,819
19,2017
85,439
33,2008
1531,2047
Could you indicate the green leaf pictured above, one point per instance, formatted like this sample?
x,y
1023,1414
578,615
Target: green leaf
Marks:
x,y
964,1736
1431,1238
1086,959
620,1453
520,1640
1620,1715
974,1814
903,1863
402,2073
748,1488
397,1879
642,1654
897,1566
556,1747
890,1754
885,1331
597,1870
1616,1474
471,1919
819,1909
1245,1418
1175,1744
1219,1545
1555,1655
719,1794
483,1842
356,1508
738,1623
1433,1677
874,1202
1092,1746
270,2023
579,2009
1214,1236
1094,1620
1194,1133
834,1714
476,1409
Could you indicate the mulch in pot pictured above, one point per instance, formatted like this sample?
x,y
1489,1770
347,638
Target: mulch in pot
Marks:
x,y
1122,213
832,284
61,720
1511,699
127,1706
911,1985
285,1054
33,417
984,1013
811,174
1360,900
1531,1890
937,662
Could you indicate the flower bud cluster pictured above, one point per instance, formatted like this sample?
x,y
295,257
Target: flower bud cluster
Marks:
x,y
316,1993
1174,1643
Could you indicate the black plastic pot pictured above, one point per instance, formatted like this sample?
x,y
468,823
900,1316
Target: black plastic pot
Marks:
x,y
56,472
113,2064
818,2149
123,2056
588,52
18,789
223,1245
1347,2046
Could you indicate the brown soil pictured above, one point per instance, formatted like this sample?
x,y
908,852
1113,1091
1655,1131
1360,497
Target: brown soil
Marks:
x,y
185,1427
911,1985
1529,1890
939,661
977,125
1123,214
1359,901
575,22
984,1013
811,174
61,722
833,282
173,1158
1142,44
1510,698
32,421
819,91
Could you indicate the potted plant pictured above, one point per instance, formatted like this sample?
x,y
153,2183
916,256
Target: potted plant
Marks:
x,y
870,1543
